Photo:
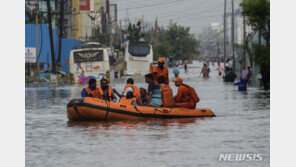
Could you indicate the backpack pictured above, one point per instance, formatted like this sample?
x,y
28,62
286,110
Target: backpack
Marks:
x,y
192,93
167,97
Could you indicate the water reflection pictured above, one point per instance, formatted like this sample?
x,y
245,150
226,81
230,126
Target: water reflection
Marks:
x,y
134,124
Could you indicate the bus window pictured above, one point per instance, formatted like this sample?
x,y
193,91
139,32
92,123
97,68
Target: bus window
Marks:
x,y
139,50
88,56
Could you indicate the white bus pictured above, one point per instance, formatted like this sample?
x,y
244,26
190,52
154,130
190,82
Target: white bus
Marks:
x,y
90,60
137,58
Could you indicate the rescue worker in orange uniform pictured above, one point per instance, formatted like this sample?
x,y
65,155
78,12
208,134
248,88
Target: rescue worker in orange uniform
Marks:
x,y
92,90
106,92
186,96
130,87
167,96
128,99
160,70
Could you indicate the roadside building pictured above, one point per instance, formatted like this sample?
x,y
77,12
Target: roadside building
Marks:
x,y
87,18
44,48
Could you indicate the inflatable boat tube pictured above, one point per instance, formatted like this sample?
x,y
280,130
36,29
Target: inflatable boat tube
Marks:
x,y
81,109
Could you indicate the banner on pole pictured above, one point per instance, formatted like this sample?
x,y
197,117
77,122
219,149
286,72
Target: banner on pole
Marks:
x,y
30,55
84,5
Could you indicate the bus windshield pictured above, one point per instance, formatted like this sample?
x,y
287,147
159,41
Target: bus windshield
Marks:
x,y
88,56
139,50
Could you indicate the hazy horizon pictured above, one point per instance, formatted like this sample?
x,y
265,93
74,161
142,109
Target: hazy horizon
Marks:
x,y
195,14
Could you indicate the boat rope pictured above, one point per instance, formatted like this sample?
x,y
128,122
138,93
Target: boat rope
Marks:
x,y
163,111
108,108
137,109
154,111
76,109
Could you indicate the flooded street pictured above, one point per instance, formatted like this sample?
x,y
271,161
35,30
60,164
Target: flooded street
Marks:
x,y
241,126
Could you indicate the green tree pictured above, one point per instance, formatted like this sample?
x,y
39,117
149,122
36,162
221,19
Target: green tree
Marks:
x,y
135,31
162,50
100,37
182,43
258,16
257,13
42,18
261,55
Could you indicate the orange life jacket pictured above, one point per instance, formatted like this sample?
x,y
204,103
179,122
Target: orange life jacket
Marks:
x,y
135,88
191,94
157,72
101,93
167,95
153,69
94,93
126,101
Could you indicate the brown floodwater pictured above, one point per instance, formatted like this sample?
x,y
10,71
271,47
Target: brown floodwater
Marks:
x,y
242,126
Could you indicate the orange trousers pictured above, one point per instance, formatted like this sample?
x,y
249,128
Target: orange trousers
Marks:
x,y
190,104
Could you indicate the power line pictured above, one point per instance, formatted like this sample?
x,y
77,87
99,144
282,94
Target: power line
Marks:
x,y
200,12
182,10
138,7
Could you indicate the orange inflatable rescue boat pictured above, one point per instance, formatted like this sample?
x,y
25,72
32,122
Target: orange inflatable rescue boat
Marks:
x,y
81,109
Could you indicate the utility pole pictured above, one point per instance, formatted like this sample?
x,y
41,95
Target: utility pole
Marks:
x,y
120,31
224,46
232,36
244,41
156,32
61,27
109,23
93,15
70,14
143,23
50,36
37,40
126,20
110,33
151,30
103,21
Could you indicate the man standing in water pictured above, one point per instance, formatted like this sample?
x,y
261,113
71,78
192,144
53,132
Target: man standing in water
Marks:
x,y
220,69
176,71
185,66
161,70
205,70
250,75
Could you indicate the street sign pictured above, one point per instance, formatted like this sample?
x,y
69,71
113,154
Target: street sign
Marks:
x,y
45,66
30,55
84,5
